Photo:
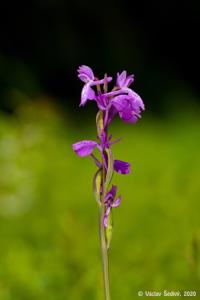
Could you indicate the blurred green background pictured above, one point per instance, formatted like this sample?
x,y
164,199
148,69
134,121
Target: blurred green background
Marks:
x,y
49,247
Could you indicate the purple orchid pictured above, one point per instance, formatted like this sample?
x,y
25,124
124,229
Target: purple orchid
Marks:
x,y
86,75
86,147
128,107
121,167
123,80
126,103
122,101
110,203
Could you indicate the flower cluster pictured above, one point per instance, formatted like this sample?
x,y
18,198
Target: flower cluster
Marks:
x,y
122,101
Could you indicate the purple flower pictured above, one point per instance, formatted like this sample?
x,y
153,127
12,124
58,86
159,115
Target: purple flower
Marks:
x,y
87,93
122,101
128,107
102,102
121,167
84,148
123,80
111,202
86,74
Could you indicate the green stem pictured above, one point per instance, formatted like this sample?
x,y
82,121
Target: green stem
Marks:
x,y
104,250
104,254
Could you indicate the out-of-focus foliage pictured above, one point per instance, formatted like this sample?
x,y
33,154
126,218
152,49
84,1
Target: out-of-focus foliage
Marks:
x,y
49,246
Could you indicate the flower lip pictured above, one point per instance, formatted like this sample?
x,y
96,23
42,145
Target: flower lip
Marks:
x,y
110,203
129,107
121,167
87,94
110,196
84,148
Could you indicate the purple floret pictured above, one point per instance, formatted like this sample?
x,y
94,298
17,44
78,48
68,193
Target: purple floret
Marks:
x,y
121,167
121,101
111,202
84,148
123,80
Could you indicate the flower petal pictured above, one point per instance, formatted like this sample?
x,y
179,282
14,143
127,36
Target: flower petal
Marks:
x,y
121,167
121,79
117,202
129,106
85,73
84,148
111,194
137,102
120,102
128,116
87,94
129,80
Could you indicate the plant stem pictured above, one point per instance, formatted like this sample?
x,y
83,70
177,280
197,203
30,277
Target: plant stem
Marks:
x,y
104,254
104,250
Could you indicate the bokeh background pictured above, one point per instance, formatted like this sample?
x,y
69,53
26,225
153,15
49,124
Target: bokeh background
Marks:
x,y
49,246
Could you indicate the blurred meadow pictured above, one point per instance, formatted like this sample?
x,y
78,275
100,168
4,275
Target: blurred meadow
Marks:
x,y
48,215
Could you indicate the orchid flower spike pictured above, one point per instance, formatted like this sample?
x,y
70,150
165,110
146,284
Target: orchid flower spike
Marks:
x,y
121,101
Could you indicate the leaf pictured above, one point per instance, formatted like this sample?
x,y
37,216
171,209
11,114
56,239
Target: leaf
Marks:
x,y
97,185
99,122
109,230
110,167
